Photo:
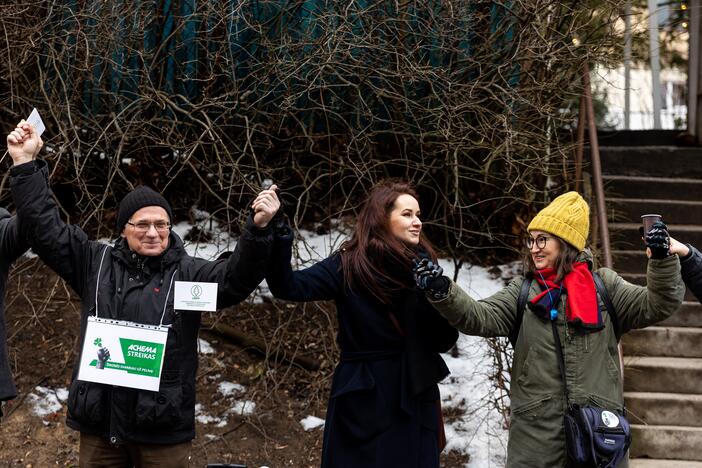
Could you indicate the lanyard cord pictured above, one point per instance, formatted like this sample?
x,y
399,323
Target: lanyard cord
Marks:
x,y
554,303
97,288
165,304
556,338
97,281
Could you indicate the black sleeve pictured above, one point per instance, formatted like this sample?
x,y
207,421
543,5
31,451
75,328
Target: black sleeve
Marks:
x,y
240,273
691,271
440,336
12,243
65,248
320,282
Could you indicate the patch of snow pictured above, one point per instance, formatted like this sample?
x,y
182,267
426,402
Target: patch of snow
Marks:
x,y
45,401
230,389
204,347
204,418
311,422
207,419
242,408
62,394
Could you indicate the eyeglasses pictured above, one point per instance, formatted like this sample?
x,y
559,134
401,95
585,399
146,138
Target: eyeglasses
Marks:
x,y
540,241
144,226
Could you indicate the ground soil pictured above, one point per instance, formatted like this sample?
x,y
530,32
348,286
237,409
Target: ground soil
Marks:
x,y
42,318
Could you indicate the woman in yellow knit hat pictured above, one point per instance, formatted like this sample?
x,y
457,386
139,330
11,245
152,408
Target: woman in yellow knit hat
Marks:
x,y
564,329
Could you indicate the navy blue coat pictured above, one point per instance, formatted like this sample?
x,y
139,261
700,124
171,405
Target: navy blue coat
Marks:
x,y
691,271
384,407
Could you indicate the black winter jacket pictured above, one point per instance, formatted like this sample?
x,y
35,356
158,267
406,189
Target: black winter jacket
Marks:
x,y
134,288
691,271
11,247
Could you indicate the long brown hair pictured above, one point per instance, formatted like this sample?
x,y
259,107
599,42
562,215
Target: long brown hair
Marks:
x,y
564,262
372,248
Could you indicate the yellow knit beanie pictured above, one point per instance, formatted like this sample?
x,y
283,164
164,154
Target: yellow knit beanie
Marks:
x,y
568,217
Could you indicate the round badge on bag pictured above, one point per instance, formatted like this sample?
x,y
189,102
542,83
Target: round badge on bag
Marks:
x,y
610,419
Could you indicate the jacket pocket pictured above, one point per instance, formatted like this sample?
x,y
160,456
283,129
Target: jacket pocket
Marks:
x,y
360,408
162,409
86,402
532,409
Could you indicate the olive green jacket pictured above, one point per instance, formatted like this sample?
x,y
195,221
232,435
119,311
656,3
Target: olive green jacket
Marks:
x,y
536,437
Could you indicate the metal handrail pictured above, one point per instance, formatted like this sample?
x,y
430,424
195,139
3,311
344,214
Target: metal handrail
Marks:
x,y
596,170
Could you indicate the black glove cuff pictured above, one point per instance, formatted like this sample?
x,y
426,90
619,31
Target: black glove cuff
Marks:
x,y
438,288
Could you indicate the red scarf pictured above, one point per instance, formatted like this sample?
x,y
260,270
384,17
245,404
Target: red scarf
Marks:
x,y
582,309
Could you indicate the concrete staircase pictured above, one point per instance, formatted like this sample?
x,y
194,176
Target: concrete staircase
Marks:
x,y
663,363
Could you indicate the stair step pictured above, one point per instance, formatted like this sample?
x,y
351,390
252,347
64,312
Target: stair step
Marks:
x,y
662,374
638,138
665,409
625,236
679,188
674,211
689,315
634,261
682,442
640,279
664,341
651,161
651,463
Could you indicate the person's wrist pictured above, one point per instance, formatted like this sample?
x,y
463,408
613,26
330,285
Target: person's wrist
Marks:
x,y
261,224
22,160
684,251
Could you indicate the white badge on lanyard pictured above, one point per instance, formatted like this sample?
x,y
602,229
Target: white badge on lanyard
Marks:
x,y
196,296
127,354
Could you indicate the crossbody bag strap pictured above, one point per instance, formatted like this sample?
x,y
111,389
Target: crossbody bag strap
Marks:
x,y
604,294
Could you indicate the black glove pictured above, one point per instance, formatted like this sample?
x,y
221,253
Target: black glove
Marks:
x,y
658,240
103,356
429,278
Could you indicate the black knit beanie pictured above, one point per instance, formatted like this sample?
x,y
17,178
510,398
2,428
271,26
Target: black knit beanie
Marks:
x,y
137,199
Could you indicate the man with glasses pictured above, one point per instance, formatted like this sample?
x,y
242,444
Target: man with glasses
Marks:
x,y
133,284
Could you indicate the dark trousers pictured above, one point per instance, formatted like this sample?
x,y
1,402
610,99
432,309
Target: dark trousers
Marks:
x,y
97,452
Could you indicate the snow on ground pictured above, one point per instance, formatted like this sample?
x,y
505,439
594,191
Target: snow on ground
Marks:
x,y
311,422
45,401
477,432
204,347
230,389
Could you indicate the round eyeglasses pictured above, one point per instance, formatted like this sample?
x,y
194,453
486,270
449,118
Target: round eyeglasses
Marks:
x,y
540,241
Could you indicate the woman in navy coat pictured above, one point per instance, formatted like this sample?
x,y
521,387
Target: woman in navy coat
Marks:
x,y
384,408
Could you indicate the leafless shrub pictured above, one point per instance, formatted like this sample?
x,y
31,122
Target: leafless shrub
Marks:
x,y
203,100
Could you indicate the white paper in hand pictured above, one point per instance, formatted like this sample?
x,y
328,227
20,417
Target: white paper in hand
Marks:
x,y
35,119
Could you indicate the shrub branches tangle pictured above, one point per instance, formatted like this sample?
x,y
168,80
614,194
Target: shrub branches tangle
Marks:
x,y
204,100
